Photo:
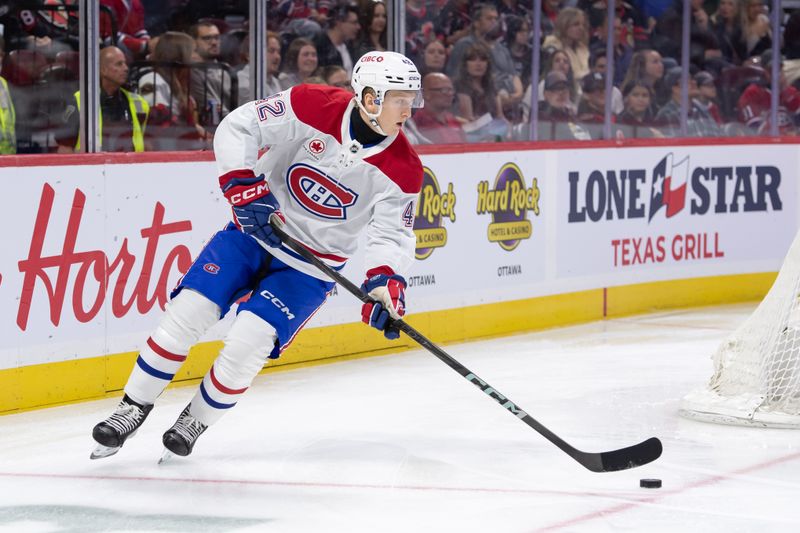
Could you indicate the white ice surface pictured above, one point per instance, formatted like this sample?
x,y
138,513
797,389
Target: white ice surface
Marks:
x,y
402,443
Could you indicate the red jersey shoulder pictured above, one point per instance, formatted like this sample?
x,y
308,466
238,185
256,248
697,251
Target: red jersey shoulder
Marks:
x,y
401,164
321,107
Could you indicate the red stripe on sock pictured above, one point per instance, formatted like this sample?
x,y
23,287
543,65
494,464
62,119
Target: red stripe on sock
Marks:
x,y
222,388
164,353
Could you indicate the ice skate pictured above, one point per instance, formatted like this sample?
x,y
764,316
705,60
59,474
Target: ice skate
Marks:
x,y
111,433
181,437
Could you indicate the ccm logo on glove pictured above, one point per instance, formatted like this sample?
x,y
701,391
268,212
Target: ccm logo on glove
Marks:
x,y
244,195
253,204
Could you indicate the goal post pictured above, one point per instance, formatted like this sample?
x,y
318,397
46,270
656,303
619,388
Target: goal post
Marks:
x,y
756,380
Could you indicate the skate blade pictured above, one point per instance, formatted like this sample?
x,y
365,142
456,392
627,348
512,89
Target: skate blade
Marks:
x,y
104,451
166,457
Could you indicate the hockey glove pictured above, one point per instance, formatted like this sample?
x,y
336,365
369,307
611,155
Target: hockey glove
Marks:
x,y
388,293
253,205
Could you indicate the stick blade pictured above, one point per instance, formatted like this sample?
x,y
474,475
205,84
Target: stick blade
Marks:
x,y
625,458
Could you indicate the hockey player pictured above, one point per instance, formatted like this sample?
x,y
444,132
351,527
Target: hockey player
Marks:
x,y
338,164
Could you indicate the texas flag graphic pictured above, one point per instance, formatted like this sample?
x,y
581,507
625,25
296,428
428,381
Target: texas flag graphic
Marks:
x,y
669,186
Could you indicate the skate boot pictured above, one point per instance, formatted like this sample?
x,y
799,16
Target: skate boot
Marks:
x,y
112,432
180,438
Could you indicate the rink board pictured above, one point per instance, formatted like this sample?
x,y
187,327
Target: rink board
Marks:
x,y
514,239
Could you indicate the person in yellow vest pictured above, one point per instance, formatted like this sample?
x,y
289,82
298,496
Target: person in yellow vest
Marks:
x,y
123,114
8,117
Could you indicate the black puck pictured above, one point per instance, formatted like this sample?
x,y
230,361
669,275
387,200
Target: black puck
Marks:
x,y
650,483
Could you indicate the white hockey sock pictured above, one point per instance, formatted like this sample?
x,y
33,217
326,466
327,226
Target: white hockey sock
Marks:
x,y
187,317
247,346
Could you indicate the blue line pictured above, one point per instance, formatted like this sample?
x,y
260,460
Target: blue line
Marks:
x,y
152,371
211,402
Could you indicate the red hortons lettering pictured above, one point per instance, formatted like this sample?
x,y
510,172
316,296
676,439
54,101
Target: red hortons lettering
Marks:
x,y
95,263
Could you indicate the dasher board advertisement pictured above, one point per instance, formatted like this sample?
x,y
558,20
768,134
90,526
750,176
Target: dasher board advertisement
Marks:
x,y
643,214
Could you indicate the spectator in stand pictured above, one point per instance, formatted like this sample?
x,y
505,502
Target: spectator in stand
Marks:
x,y
725,23
556,104
623,52
132,36
558,61
699,122
336,76
550,9
666,37
556,114
123,114
434,57
273,63
634,25
419,28
335,46
638,97
648,66
756,32
273,86
8,115
234,49
373,27
653,9
299,17
243,72
517,42
300,63
507,82
173,110
597,63
706,99
210,85
592,106
669,115
572,36
454,21
791,49
484,20
477,101
435,121
637,118
513,8
485,31
755,103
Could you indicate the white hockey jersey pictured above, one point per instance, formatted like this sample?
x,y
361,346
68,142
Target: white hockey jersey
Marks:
x,y
329,186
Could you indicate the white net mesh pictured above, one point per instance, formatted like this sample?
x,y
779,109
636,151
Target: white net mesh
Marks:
x,y
756,377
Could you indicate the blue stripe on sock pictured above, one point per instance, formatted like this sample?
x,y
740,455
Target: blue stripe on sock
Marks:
x,y
211,402
152,371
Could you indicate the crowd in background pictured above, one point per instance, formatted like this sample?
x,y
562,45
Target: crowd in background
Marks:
x,y
171,69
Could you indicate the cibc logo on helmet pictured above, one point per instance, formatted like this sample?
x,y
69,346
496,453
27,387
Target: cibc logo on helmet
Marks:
x,y
372,59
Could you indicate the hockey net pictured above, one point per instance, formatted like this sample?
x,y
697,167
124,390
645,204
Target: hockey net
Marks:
x,y
756,379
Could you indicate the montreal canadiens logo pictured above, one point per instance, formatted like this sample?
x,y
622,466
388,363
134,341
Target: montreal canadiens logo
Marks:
x,y
318,194
211,268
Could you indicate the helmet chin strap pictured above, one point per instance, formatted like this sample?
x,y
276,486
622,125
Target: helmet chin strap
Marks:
x,y
373,117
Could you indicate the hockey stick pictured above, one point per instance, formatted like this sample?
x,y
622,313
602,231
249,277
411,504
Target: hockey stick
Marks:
x,y
622,459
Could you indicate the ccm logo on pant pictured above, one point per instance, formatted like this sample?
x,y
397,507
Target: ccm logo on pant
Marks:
x,y
277,303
